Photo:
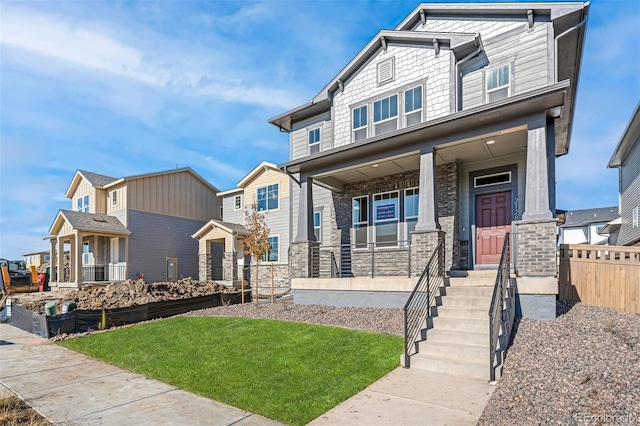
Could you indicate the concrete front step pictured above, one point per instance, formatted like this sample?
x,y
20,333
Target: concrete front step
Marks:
x,y
478,273
461,324
458,312
479,370
476,302
455,351
481,291
472,282
454,336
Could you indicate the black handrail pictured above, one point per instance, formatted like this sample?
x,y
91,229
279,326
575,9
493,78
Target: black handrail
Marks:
x,y
497,303
418,307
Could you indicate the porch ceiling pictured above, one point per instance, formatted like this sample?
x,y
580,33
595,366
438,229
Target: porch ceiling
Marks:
x,y
506,143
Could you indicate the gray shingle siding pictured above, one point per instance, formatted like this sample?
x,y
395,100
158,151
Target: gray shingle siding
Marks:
x,y
629,195
154,237
300,138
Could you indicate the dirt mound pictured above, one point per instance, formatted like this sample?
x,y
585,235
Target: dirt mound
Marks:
x,y
134,292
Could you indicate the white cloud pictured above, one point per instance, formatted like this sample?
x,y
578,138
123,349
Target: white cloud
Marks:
x,y
89,47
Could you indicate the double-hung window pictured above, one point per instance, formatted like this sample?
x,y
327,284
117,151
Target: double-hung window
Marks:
x,y
272,254
385,115
386,216
498,83
314,141
360,123
114,197
317,225
635,220
413,106
268,197
360,213
83,204
411,210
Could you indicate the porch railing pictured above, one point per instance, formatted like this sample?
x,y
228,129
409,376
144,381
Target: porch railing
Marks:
x,y
418,307
388,259
497,306
100,273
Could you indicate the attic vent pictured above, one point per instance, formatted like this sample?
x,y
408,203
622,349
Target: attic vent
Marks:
x,y
385,71
99,219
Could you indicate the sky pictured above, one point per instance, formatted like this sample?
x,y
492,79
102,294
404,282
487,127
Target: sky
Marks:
x,y
123,88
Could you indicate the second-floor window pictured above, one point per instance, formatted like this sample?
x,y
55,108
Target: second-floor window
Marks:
x,y
83,204
268,197
385,115
114,197
498,83
314,141
237,202
413,106
360,123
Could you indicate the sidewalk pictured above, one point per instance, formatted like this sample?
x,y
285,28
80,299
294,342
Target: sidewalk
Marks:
x,y
413,397
69,388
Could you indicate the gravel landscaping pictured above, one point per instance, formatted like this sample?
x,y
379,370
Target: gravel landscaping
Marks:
x,y
584,368
380,320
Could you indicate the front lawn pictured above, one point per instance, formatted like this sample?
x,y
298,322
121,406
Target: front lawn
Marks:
x,y
288,371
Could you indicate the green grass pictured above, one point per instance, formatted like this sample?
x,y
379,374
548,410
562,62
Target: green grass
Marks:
x,y
287,371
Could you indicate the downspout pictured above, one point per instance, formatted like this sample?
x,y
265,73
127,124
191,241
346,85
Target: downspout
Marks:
x,y
460,62
555,40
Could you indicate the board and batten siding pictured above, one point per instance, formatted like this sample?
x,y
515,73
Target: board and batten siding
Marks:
x,y
121,198
174,194
300,135
155,237
85,188
121,215
464,202
530,59
230,213
629,194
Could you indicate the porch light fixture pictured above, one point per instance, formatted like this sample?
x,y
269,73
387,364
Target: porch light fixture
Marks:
x,y
490,142
375,165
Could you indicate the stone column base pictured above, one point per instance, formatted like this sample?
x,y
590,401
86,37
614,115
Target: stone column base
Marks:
x,y
423,243
204,267
303,262
230,266
535,248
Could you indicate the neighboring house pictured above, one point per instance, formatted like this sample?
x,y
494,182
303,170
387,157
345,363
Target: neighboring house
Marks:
x,y
36,259
446,127
221,243
626,158
586,226
123,228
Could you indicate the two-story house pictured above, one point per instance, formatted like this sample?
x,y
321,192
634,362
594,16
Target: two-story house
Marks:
x,y
36,259
125,228
446,127
587,226
221,242
626,157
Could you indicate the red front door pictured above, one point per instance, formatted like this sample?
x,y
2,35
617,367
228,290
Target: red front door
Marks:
x,y
493,221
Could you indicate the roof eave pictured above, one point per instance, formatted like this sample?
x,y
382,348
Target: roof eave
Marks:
x,y
629,136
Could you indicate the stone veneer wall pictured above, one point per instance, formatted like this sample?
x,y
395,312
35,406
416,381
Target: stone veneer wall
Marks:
x,y
536,248
447,192
263,278
204,267
423,243
302,261
229,266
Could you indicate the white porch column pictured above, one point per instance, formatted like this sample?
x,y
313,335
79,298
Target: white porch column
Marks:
x,y
52,260
537,181
305,211
60,273
77,266
427,201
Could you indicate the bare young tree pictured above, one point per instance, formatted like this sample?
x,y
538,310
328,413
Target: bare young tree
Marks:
x,y
256,243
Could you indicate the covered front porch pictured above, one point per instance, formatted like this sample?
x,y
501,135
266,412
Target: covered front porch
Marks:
x,y
97,255
467,179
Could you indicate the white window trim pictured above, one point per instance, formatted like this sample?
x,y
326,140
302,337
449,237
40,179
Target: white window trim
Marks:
x,y
391,61
405,202
272,262
366,126
509,86
635,217
475,179
395,117
413,111
267,209
309,145
354,223
376,221
239,196
319,227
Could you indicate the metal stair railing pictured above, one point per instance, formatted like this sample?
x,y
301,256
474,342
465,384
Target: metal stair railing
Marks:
x,y
418,307
497,304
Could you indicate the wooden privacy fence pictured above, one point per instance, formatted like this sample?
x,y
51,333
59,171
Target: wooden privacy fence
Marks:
x,y
601,275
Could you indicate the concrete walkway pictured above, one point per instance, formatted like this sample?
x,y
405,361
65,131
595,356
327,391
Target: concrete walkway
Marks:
x,y
413,397
69,388
72,389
